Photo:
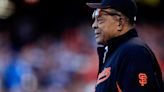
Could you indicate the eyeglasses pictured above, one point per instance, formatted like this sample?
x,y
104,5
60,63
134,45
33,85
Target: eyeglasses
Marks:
x,y
100,12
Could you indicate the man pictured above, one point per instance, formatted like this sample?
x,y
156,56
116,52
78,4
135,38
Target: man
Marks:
x,y
126,63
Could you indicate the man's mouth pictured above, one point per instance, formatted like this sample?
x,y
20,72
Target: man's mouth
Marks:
x,y
97,35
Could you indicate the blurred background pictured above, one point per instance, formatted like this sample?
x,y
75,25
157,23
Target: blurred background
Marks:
x,y
49,46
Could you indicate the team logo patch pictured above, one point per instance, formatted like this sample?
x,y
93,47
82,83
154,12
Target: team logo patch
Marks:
x,y
142,79
103,75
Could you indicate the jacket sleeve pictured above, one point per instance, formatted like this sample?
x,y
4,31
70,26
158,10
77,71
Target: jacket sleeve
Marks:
x,y
137,72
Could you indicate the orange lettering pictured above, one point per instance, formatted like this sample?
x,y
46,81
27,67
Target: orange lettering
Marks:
x,y
103,75
118,87
142,79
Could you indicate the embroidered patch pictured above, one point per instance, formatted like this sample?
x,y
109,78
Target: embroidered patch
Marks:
x,y
142,79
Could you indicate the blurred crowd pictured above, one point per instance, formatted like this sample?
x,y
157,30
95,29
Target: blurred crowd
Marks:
x,y
65,64
68,64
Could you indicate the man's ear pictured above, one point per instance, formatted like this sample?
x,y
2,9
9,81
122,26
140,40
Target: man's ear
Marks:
x,y
120,24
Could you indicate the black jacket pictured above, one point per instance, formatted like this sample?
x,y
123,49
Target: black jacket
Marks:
x,y
128,66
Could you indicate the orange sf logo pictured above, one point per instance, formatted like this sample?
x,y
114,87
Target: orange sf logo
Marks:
x,y
104,75
142,78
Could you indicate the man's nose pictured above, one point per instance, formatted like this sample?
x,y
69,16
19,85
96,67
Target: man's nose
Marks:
x,y
95,25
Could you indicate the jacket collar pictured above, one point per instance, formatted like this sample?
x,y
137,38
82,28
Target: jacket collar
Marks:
x,y
120,39
115,42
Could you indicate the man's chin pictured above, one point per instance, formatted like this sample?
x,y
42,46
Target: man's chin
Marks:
x,y
99,42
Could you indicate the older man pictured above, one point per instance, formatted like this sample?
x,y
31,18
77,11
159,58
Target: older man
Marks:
x,y
126,63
